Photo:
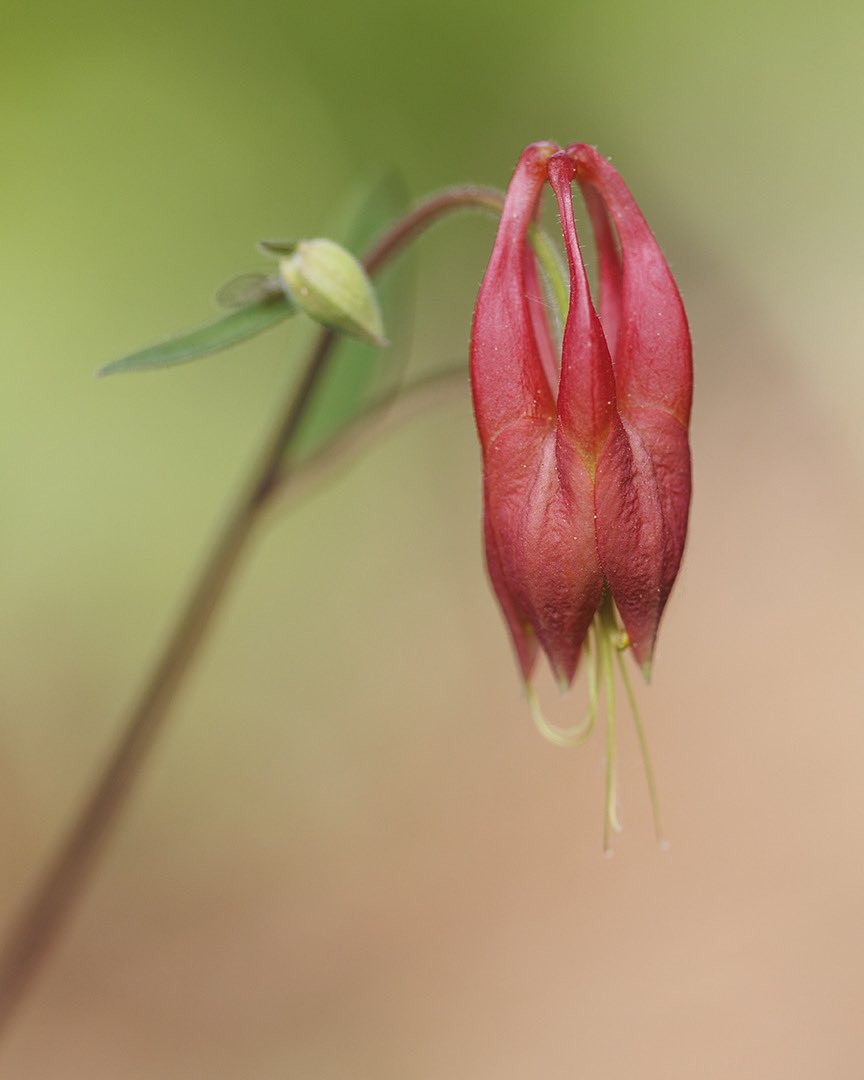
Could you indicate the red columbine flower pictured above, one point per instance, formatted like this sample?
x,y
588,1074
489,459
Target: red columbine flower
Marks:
x,y
586,464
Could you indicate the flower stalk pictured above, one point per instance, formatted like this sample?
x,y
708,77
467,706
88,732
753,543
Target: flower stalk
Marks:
x,y
46,911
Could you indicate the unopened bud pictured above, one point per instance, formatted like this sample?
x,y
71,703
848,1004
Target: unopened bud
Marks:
x,y
327,283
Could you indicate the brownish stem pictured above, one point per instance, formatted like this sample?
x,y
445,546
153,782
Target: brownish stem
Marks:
x,y
50,904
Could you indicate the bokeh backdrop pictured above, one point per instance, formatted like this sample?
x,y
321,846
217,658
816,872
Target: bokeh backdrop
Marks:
x,y
353,856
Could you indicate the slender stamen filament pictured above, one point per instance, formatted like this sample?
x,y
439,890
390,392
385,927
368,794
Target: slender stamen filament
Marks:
x,y
572,736
611,822
606,639
643,746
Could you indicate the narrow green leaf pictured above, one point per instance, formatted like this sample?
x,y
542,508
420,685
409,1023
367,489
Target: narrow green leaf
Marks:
x,y
219,334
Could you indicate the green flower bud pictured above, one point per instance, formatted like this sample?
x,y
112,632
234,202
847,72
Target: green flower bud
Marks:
x,y
329,284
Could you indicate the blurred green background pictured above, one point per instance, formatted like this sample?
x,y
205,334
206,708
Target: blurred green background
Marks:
x,y
353,856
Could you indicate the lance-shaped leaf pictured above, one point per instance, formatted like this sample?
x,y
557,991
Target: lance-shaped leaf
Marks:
x,y
220,334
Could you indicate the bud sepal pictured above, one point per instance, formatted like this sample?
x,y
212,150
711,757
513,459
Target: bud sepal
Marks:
x,y
328,284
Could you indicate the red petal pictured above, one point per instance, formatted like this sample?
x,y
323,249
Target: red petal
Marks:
x,y
586,394
653,378
652,354
507,376
623,511
524,641
631,536
537,306
609,265
542,560
540,547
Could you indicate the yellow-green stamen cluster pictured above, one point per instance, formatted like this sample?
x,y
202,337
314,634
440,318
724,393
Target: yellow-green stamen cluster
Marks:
x,y
605,645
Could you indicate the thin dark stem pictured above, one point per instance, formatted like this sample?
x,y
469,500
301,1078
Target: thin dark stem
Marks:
x,y
47,910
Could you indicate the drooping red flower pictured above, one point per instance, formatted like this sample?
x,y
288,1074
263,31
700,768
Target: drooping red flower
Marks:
x,y
586,463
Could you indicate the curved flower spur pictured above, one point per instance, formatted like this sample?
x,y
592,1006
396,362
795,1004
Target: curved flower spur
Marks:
x,y
586,462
